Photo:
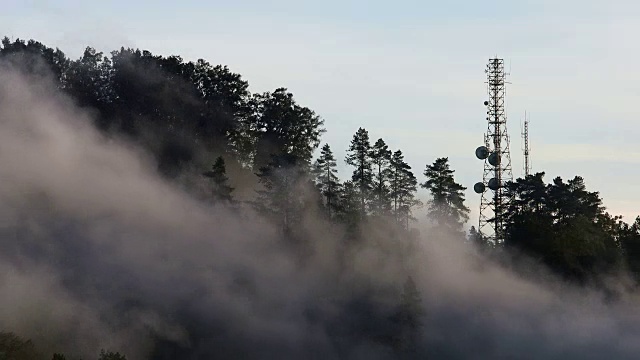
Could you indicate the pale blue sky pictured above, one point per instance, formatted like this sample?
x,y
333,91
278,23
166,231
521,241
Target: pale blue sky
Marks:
x,y
411,72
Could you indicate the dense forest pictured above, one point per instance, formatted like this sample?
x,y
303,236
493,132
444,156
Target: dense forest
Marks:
x,y
263,153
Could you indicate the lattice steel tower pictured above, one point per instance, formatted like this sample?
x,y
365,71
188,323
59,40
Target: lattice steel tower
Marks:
x,y
496,156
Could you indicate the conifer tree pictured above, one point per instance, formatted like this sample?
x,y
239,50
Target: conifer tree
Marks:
x,y
358,156
348,209
327,181
221,191
403,186
447,207
380,159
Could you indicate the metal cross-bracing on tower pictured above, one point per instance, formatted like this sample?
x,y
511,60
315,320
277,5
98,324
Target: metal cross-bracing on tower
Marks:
x,y
497,159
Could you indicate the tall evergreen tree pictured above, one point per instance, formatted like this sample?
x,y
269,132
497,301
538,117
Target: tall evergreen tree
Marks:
x,y
221,191
447,207
380,160
403,186
327,181
359,157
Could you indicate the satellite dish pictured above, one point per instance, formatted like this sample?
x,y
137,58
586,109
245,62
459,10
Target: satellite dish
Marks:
x,y
493,184
494,159
482,152
478,188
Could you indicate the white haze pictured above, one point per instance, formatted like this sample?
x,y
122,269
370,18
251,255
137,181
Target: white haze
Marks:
x,y
99,252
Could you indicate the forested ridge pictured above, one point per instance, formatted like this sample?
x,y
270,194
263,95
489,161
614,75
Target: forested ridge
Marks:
x,y
256,152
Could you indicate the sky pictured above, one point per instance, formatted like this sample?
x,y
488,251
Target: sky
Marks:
x,y
411,72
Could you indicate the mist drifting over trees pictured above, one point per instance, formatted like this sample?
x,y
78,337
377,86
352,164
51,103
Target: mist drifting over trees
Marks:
x,y
155,208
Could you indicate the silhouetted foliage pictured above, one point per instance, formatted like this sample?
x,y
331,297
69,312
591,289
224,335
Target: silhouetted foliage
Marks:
x,y
32,57
380,161
110,355
446,207
89,80
221,191
13,347
630,241
278,126
325,172
476,238
562,225
359,156
403,186
349,206
284,180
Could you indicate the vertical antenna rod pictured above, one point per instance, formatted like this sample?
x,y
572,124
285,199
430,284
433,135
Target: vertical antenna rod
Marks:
x,y
525,137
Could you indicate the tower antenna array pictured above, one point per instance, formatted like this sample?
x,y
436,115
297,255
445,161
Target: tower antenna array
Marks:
x,y
497,158
525,137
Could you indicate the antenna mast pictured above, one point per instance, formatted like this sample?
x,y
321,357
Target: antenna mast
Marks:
x,y
525,137
496,156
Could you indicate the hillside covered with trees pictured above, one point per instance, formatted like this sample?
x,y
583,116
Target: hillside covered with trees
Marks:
x,y
263,153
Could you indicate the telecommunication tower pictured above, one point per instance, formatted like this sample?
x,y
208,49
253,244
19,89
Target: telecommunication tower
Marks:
x,y
525,138
497,158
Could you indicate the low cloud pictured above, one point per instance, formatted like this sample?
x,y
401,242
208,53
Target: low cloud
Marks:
x,y
100,252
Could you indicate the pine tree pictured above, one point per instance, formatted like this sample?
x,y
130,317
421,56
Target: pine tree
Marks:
x,y
358,156
348,207
221,191
447,207
380,159
327,181
403,186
